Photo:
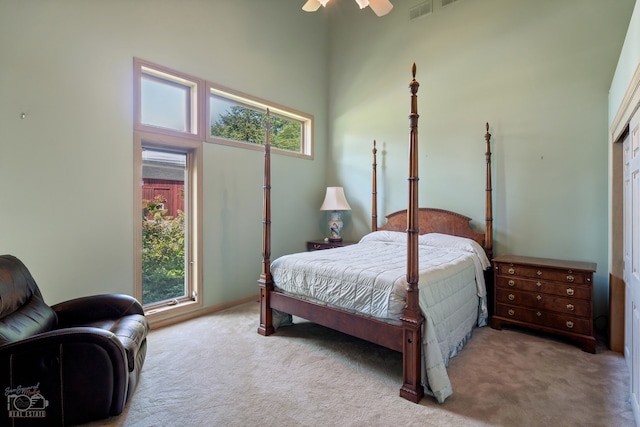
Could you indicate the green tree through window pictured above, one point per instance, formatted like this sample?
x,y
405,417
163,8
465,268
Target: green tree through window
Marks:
x,y
162,254
246,125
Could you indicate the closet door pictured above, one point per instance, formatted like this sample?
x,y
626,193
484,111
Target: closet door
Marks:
x,y
631,180
626,253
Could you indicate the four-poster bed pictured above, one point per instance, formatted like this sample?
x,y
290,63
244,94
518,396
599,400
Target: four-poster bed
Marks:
x,y
402,315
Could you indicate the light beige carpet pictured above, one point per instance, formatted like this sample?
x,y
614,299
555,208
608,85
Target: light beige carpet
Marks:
x,y
217,371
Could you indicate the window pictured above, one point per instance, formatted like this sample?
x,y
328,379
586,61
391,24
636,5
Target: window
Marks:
x,y
167,101
168,181
165,182
239,119
174,114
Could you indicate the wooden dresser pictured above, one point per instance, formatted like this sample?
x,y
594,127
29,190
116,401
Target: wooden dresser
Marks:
x,y
549,295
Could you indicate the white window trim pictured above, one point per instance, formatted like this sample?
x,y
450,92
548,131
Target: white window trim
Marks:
x,y
164,138
201,123
197,121
194,230
306,143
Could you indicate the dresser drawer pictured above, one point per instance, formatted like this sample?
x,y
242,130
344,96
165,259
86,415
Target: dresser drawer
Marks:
x,y
545,302
551,295
555,288
538,317
567,276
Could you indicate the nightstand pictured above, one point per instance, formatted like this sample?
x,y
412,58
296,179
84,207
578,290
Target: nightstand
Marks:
x,y
318,245
550,295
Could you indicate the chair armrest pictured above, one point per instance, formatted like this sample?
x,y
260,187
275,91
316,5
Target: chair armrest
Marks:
x,y
81,372
85,310
82,334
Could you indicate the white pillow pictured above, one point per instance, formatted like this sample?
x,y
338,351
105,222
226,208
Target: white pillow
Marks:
x,y
454,242
385,236
446,241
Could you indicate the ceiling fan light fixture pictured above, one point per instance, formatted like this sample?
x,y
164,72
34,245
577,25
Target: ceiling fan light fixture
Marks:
x,y
312,5
380,7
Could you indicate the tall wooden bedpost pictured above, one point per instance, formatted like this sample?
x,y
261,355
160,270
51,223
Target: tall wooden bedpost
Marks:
x,y
266,281
374,192
488,244
412,319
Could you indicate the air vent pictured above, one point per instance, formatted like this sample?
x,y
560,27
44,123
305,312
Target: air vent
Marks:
x,y
422,9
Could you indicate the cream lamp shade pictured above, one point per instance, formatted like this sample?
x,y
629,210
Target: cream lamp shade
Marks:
x,y
335,201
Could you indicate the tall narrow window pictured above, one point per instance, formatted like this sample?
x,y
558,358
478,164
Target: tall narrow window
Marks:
x,y
168,195
165,248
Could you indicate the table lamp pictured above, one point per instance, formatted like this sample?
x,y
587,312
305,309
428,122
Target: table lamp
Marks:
x,y
335,201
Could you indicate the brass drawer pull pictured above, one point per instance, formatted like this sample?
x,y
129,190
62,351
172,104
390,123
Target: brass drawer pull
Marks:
x,y
539,273
511,312
538,314
570,291
570,278
538,284
512,282
538,297
512,271
512,297
569,324
570,307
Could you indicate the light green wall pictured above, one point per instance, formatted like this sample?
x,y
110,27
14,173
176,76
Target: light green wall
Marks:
x,y
627,64
66,170
537,71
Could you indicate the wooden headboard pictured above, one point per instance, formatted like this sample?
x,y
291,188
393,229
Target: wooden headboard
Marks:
x,y
432,220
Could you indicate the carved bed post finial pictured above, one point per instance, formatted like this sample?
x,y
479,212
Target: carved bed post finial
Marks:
x,y
489,197
413,87
374,191
266,281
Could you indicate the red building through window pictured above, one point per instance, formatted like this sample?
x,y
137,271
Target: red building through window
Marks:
x,y
172,192
163,174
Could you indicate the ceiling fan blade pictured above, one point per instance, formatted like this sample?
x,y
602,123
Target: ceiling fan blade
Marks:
x,y
380,7
311,6
362,3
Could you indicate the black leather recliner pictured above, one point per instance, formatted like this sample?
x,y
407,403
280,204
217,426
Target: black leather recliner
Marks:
x,y
70,363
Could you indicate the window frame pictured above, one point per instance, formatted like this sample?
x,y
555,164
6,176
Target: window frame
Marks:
x,y
193,221
190,143
248,101
196,112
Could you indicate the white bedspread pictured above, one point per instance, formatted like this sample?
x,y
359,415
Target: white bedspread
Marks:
x,y
370,278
